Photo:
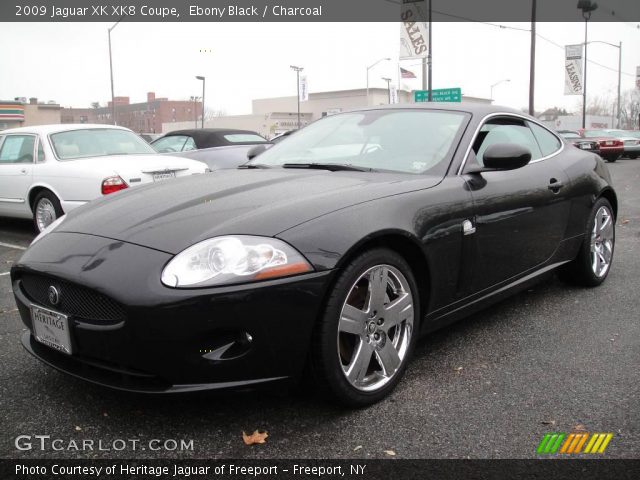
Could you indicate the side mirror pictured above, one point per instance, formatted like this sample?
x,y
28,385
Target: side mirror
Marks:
x,y
255,151
505,156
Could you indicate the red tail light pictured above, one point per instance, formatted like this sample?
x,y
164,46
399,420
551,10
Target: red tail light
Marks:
x,y
113,184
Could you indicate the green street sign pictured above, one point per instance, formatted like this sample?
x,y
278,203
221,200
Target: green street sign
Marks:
x,y
439,95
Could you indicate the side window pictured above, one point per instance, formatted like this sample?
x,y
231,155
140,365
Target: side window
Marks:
x,y
172,143
505,131
547,141
17,149
41,156
190,144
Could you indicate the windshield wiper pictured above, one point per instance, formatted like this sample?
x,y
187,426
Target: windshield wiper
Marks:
x,y
333,167
254,165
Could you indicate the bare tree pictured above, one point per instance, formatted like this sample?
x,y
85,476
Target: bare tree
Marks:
x,y
630,109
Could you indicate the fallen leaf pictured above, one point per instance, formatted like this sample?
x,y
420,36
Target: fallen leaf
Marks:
x,y
624,222
255,437
390,453
580,428
357,448
548,422
457,369
78,429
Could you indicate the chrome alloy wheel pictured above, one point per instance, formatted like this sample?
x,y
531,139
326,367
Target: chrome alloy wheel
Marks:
x,y
602,238
375,327
45,213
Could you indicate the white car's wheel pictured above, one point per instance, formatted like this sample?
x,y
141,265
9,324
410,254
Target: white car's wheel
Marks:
x,y
46,209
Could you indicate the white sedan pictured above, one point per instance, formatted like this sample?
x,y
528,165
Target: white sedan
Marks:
x,y
47,170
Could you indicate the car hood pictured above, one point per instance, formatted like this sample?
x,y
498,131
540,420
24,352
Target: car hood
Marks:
x,y
170,216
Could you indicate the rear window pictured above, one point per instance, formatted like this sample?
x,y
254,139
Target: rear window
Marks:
x,y
244,138
96,142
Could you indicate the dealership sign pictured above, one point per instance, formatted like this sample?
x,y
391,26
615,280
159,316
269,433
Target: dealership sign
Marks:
x,y
304,89
413,34
573,70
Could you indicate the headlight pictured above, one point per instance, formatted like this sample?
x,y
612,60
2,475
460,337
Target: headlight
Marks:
x,y
233,259
49,229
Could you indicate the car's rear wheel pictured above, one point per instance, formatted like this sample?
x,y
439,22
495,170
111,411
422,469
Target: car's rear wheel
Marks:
x,y
633,156
592,265
612,158
367,333
46,209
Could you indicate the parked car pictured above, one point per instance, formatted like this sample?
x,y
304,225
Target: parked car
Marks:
x,y
150,137
630,140
575,139
47,171
282,136
296,266
611,148
219,148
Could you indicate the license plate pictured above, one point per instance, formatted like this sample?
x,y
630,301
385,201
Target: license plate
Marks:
x,y
584,146
51,328
158,177
608,143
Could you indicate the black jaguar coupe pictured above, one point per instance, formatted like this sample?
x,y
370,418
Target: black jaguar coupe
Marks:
x,y
327,255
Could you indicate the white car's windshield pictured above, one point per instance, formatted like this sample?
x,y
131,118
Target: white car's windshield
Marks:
x,y
95,142
409,140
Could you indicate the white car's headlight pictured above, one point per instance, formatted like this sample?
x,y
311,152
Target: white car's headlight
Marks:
x,y
233,259
52,226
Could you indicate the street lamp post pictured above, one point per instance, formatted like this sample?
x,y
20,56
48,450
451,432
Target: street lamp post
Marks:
x,y
619,47
498,83
200,77
388,80
587,8
369,68
113,98
297,70
195,99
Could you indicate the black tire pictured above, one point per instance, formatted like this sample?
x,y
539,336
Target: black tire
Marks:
x,y
46,196
326,365
633,157
612,159
580,270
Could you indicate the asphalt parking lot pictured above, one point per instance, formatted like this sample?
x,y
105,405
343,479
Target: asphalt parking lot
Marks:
x,y
552,359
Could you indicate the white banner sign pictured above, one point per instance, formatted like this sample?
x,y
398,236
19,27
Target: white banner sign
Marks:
x,y
393,94
414,35
573,70
638,77
304,88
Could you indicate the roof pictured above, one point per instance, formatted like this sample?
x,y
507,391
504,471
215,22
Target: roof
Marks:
x,y
469,107
214,137
60,127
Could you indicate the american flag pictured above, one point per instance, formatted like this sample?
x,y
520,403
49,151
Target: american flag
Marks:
x,y
406,73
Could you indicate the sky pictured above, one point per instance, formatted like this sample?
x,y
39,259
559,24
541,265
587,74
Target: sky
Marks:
x,y
69,63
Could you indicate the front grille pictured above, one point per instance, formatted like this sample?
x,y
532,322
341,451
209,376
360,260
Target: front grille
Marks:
x,y
74,300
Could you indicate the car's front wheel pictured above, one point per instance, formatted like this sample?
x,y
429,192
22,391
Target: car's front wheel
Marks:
x,y
367,333
46,209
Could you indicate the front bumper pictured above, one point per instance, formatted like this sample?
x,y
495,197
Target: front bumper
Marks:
x,y
168,340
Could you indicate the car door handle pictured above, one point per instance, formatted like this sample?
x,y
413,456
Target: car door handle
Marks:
x,y
555,185
23,171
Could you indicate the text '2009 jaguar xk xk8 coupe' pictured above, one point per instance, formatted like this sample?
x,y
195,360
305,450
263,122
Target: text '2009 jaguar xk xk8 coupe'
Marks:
x,y
327,255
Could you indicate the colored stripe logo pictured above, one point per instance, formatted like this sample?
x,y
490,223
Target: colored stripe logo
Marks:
x,y
574,443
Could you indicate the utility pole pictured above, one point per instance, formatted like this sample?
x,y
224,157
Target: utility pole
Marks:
x,y
532,60
113,98
200,77
430,98
298,70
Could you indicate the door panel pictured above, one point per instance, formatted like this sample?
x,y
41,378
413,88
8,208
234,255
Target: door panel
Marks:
x,y
520,215
16,173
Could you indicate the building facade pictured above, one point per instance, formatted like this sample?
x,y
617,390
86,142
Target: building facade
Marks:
x,y
273,116
22,113
142,117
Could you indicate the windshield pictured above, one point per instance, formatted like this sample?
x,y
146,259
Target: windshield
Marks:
x,y
595,133
95,142
412,141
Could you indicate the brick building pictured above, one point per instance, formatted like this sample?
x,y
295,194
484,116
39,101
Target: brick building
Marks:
x,y
144,117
